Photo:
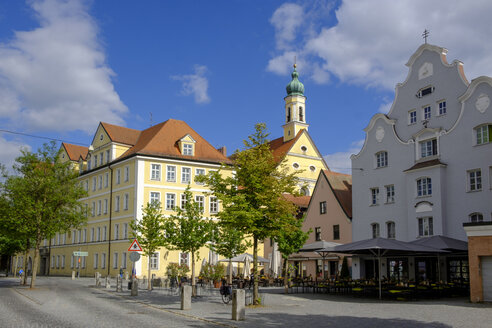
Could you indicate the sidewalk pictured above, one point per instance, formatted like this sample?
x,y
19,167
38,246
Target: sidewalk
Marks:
x,y
279,310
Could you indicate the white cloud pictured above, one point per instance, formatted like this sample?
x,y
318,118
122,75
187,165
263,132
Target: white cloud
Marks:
x,y
372,40
56,76
286,20
340,162
385,107
10,151
195,84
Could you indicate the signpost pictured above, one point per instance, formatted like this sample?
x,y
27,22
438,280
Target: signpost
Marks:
x,y
79,254
134,257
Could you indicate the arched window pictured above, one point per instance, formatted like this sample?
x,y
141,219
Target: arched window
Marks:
x,y
305,191
375,230
476,217
424,187
301,114
288,115
390,225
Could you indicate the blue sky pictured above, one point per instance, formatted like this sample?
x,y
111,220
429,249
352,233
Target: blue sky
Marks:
x,y
221,66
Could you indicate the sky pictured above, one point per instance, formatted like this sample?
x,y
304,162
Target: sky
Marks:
x,y
221,66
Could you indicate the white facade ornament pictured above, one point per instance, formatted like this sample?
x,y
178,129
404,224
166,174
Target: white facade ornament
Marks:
x,y
426,70
379,134
482,103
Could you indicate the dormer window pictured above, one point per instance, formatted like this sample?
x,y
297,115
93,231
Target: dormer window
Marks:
x,y
187,149
428,148
425,91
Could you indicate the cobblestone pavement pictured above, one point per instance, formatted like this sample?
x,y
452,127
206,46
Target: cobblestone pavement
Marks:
x,y
61,302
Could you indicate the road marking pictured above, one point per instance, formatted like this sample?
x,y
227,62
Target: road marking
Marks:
x,y
29,298
173,312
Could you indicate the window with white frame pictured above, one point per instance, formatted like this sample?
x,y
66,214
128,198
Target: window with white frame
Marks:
x,y
94,182
170,201
72,262
475,180
106,206
108,158
390,194
200,200
95,161
87,185
99,207
187,149
184,258
117,203
428,148
322,207
183,201
115,260
106,180
391,231
155,172
154,261
100,182
92,235
374,196
425,226
424,187
127,173
123,260
80,236
171,173
441,107
52,261
105,230
98,233
58,261
375,230
476,217
155,197
185,175
93,209
103,260
317,233
382,159
426,111
89,163
483,134
118,176
199,172
214,205
101,159
63,261
96,260
116,231
125,230
85,235
412,117
125,202
83,262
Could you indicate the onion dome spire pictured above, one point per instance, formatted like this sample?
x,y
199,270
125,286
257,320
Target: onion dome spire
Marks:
x,y
295,87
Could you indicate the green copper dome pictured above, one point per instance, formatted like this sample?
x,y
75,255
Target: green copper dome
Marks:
x,y
295,87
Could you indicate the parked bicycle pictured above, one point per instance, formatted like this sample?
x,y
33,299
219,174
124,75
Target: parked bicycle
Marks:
x,y
226,292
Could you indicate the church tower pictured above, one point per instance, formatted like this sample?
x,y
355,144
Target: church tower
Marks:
x,y
295,108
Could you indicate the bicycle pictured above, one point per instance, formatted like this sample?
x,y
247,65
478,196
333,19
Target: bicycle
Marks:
x,y
226,292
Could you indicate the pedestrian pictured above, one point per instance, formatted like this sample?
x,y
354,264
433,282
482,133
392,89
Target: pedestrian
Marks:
x,y
121,272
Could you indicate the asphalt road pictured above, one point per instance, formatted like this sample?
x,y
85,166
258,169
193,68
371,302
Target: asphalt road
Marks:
x,y
63,303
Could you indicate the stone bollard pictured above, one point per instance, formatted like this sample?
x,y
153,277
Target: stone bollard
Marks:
x,y
98,279
185,297
108,282
134,291
126,275
119,284
238,304
73,275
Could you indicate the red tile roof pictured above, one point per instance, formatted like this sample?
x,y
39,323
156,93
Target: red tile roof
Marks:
x,y
421,165
74,152
300,201
341,185
121,134
281,148
162,140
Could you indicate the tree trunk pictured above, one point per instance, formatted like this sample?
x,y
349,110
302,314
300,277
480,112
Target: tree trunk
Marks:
x,y
193,285
286,276
26,262
9,260
35,263
149,284
230,272
255,271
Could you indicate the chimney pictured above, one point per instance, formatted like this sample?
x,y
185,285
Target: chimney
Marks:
x,y
222,150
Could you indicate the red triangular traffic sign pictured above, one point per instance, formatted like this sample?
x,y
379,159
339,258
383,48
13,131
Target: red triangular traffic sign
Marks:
x,y
135,246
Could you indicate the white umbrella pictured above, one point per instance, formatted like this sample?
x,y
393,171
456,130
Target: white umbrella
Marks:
x,y
246,266
240,258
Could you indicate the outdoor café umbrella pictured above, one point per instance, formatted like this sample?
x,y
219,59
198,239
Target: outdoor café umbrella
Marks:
x,y
323,248
380,247
246,266
240,258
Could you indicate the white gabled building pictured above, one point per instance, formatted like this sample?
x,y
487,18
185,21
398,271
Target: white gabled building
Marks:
x,y
426,166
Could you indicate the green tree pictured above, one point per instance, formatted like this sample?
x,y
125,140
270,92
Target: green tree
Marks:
x,y
43,196
149,232
290,241
229,242
252,199
345,273
188,231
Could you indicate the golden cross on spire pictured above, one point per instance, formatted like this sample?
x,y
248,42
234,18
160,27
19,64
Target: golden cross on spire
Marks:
x,y
295,61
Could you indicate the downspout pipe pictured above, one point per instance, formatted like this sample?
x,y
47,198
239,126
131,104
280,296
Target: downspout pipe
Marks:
x,y
110,215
